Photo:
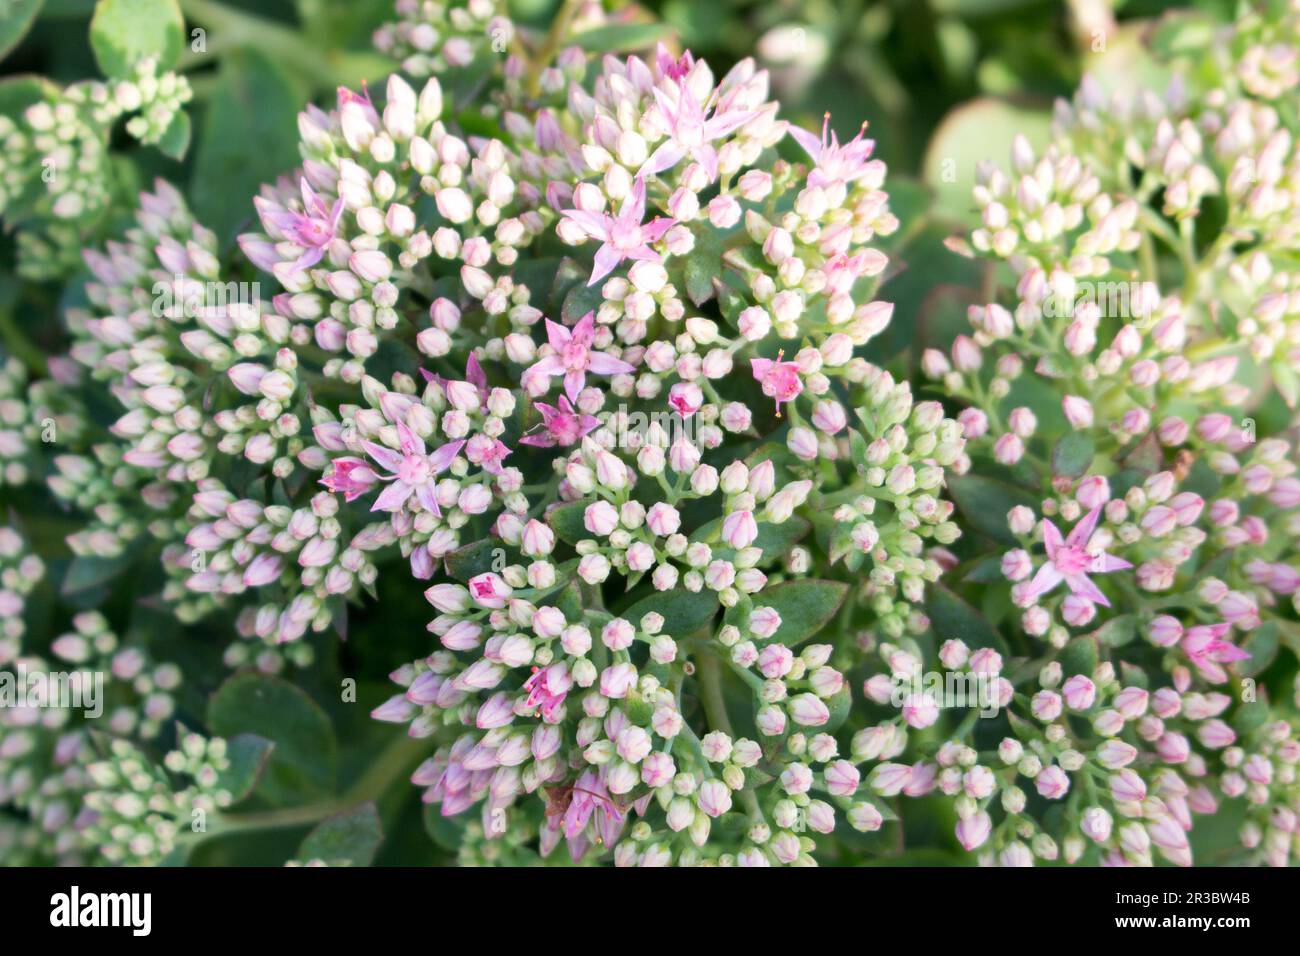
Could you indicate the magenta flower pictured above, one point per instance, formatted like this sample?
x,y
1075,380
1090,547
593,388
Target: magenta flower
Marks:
x,y
834,163
474,375
1205,647
1070,561
591,799
351,477
547,689
412,471
573,357
691,131
314,228
780,379
673,68
623,236
561,426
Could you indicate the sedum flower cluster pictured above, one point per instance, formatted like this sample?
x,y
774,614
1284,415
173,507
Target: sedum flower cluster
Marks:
x,y
583,363
1128,398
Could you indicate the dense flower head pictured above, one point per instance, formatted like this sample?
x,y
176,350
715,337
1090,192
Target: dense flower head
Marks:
x,y
596,377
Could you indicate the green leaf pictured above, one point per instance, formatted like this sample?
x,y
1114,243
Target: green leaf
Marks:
x,y
19,92
1079,656
580,300
984,503
249,138
16,17
951,618
1182,32
806,606
353,836
85,572
1072,455
621,37
447,832
1261,645
981,129
685,612
176,138
839,705
303,764
248,755
471,560
704,265
775,540
123,32
566,521
1117,632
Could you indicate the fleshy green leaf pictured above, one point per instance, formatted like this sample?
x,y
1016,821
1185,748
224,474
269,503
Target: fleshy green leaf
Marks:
x,y
303,764
1072,455
86,572
1079,656
1118,631
16,17
566,521
123,32
1262,646
176,138
251,103
984,503
621,37
981,129
353,836
470,560
954,619
685,612
249,755
805,605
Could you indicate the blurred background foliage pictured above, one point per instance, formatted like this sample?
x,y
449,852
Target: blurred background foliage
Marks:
x,y
942,83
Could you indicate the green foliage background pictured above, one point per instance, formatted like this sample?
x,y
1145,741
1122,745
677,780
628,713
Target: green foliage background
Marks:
x,y
943,83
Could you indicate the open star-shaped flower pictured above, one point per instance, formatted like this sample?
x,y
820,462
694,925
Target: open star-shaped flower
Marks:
x,y
573,357
412,471
623,236
834,163
1069,560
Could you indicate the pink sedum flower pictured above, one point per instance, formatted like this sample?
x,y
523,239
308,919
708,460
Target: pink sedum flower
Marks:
x,y
780,379
412,471
623,236
573,356
1069,560
834,163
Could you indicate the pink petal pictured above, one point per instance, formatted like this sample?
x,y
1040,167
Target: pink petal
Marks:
x,y
1105,563
812,144
386,457
1082,585
602,363
1046,579
428,497
393,497
1081,532
411,443
551,365
442,457
1051,538
607,259
557,335
594,224
668,155
707,157
573,382
724,123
